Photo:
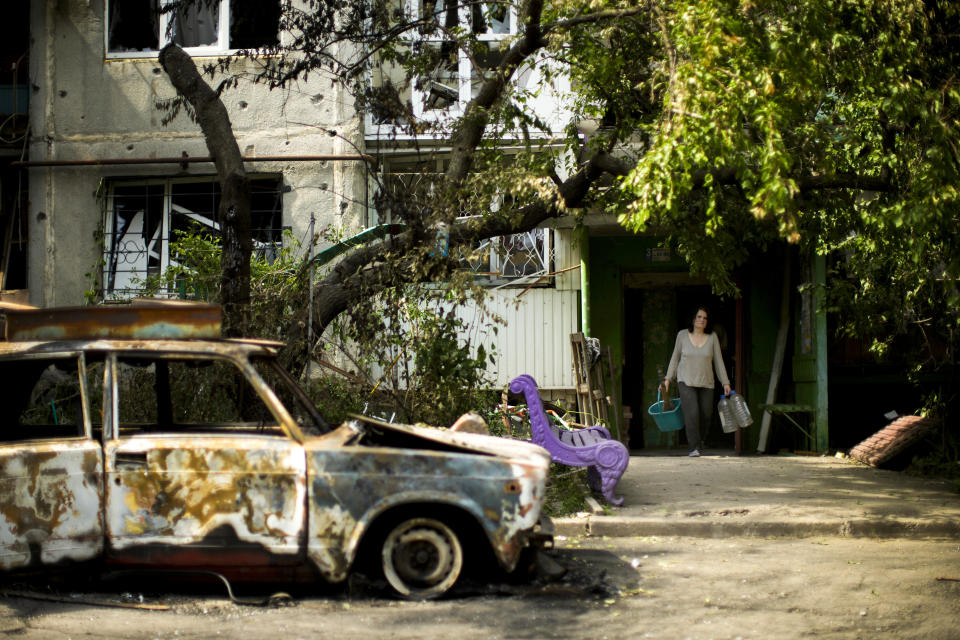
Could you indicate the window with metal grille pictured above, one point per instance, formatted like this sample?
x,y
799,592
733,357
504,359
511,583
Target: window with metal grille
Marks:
x,y
142,217
516,259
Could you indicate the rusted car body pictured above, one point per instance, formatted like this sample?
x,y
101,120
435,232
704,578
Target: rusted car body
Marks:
x,y
202,453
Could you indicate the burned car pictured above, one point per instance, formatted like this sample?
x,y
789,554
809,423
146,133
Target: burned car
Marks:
x,y
136,437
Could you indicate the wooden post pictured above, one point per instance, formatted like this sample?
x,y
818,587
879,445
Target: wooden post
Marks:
x,y
820,340
581,378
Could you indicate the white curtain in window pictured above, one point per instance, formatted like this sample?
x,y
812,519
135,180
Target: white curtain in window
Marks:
x,y
197,26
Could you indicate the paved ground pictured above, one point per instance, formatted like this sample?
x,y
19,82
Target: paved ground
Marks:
x,y
721,494
722,547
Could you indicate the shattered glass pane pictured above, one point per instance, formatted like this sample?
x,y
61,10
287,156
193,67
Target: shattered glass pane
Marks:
x,y
133,240
133,25
138,25
490,18
44,399
441,87
144,218
488,59
442,12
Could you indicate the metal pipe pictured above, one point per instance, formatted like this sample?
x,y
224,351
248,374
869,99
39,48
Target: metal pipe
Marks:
x,y
186,160
313,271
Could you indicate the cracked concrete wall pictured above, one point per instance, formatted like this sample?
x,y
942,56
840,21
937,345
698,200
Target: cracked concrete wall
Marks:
x,y
86,105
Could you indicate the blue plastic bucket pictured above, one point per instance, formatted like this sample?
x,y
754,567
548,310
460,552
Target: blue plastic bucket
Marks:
x,y
666,420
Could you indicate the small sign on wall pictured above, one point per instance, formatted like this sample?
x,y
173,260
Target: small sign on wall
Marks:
x,y
658,254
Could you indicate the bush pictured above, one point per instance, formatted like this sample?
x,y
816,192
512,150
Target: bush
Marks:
x,y
567,488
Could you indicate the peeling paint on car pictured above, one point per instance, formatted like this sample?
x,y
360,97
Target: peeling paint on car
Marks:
x,y
50,506
367,482
188,486
255,494
331,528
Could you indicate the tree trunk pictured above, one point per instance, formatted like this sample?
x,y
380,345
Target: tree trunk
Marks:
x,y
234,211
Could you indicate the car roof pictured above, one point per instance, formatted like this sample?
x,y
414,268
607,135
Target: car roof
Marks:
x,y
222,347
159,326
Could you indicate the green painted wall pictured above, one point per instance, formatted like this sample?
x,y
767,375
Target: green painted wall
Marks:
x,y
610,258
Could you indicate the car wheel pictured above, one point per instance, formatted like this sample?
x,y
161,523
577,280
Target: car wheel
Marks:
x,y
422,558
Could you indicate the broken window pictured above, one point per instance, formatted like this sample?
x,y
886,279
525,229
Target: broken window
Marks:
x,y
291,395
516,256
208,395
44,399
142,27
520,258
144,217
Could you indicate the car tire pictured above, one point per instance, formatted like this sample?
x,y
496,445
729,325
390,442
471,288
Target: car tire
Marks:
x,y
421,558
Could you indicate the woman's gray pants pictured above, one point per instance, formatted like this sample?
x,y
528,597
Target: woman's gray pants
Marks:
x,y
697,406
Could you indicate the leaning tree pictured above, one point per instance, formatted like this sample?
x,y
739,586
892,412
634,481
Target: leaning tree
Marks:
x,y
725,126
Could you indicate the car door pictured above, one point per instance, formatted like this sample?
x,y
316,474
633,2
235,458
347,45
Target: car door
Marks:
x,y
51,469
198,471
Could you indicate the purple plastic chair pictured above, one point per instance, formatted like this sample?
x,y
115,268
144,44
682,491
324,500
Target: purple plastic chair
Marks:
x,y
592,447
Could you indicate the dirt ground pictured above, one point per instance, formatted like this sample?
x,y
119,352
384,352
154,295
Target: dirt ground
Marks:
x,y
648,587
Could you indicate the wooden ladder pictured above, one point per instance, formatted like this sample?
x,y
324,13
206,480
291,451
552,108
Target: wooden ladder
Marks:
x,y
592,400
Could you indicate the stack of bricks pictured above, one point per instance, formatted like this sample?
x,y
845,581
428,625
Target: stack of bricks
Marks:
x,y
891,440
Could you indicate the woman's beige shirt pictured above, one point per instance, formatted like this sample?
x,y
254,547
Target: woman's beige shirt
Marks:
x,y
694,366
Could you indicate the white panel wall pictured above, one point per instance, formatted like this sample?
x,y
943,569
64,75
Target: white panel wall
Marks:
x,y
536,337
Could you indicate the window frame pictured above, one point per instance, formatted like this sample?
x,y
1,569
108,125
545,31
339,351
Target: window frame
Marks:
x,y
493,247
85,431
163,36
168,209
265,394
419,96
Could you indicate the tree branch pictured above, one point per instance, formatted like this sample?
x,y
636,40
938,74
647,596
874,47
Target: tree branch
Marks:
x,y
470,129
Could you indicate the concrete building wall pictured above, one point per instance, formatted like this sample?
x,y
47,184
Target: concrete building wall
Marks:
x,y
85,105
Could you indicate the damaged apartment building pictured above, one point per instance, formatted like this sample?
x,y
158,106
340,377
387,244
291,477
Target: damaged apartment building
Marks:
x,y
110,184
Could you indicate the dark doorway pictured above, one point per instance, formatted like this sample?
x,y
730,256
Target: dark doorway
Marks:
x,y
643,358
723,319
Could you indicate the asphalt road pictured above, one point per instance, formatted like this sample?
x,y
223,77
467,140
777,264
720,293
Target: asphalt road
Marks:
x,y
623,587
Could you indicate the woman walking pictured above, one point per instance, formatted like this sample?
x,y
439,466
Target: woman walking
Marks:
x,y
696,356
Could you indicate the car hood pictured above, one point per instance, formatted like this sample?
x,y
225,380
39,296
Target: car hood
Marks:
x,y
516,450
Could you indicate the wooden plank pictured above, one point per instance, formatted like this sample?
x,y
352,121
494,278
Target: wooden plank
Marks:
x,y
582,375
778,356
600,391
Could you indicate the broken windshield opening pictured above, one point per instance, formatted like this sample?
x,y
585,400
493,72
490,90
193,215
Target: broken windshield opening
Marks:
x,y
293,397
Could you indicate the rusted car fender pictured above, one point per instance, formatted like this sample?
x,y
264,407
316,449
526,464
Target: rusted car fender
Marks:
x,y
345,503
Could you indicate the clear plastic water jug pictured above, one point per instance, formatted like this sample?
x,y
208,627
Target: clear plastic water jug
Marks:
x,y
727,419
741,412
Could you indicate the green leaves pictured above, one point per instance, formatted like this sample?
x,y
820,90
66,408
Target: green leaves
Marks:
x,y
765,121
